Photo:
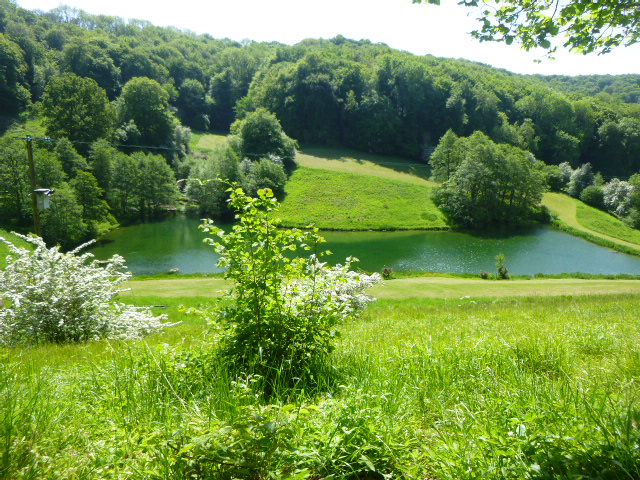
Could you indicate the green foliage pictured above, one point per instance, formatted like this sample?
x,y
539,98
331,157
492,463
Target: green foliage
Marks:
x,y
145,104
62,222
593,196
335,439
447,156
493,185
14,97
156,183
587,27
69,158
501,267
285,309
192,104
264,173
77,108
260,135
208,182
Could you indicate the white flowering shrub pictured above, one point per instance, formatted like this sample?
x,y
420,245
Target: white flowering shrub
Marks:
x,y
284,308
326,291
51,296
617,197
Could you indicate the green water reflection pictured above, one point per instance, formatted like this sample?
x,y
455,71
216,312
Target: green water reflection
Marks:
x,y
175,242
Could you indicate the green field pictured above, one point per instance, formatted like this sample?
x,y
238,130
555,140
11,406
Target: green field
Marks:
x,y
352,161
352,201
509,388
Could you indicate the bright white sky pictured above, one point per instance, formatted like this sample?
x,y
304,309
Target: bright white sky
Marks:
x,y
420,29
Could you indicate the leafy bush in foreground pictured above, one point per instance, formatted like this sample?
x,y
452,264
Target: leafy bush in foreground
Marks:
x,y
284,309
64,297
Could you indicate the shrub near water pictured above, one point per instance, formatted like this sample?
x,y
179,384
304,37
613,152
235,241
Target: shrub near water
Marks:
x,y
284,311
65,297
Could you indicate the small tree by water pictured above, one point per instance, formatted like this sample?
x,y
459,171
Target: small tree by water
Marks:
x,y
284,308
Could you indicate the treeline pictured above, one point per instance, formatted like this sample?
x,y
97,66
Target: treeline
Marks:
x,y
624,88
359,94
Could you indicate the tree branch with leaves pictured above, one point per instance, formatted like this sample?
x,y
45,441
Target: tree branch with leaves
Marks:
x,y
585,25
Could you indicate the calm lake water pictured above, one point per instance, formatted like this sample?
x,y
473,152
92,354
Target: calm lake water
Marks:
x,y
176,242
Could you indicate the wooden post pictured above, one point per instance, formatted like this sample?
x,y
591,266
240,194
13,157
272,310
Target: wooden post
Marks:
x,y
32,177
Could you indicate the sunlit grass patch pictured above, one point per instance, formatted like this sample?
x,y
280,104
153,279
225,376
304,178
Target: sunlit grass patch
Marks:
x,y
339,200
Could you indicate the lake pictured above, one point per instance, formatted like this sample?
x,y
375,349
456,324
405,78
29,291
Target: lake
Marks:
x,y
176,242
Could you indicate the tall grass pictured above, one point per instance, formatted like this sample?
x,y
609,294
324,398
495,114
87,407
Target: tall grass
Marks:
x,y
430,388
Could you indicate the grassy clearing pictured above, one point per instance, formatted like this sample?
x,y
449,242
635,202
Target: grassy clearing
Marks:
x,y
352,161
423,388
349,201
594,225
207,141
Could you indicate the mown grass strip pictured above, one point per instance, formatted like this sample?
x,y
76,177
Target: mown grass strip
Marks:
x,y
406,288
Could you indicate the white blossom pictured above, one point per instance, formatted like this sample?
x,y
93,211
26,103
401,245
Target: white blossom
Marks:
x,y
51,296
327,291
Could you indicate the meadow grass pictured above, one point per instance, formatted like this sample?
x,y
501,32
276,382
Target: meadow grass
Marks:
x,y
207,141
421,388
349,201
600,221
346,160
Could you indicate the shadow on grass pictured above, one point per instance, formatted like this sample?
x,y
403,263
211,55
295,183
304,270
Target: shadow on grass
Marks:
x,y
342,154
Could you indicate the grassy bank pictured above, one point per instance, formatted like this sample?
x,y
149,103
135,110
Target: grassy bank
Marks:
x,y
599,227
420,388
351,201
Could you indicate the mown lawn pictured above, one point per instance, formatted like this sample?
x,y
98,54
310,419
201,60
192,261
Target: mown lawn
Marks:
x,y
404,288
349,201
417,388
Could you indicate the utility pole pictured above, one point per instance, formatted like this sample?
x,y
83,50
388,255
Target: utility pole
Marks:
x,y
32,177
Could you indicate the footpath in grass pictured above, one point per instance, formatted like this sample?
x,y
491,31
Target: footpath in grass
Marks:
x,y
592,222
407,288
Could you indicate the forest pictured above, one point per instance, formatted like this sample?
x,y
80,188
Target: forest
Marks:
x,y
116,102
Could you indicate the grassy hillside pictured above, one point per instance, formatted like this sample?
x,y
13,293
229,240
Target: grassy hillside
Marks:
x,y
592,223
352,161
352,201
602,222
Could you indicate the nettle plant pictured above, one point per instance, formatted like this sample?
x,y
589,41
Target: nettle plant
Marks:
x,y
284,307
51,296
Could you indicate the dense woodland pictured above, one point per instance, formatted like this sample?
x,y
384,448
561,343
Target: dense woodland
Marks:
x,y
118,99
